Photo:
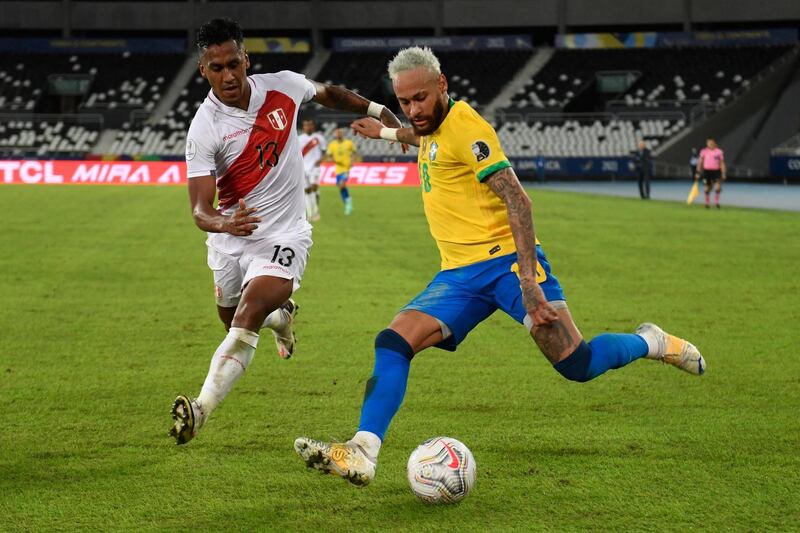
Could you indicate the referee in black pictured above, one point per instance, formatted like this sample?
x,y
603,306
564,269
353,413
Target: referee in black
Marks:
x,y
643,161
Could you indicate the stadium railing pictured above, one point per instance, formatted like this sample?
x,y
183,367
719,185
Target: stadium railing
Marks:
x,y
790,146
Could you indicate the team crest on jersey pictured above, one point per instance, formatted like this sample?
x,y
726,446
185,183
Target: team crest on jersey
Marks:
x,y
277,119
481,150
434,150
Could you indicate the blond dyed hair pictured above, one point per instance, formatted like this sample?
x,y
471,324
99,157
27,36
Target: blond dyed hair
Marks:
x,y
414,57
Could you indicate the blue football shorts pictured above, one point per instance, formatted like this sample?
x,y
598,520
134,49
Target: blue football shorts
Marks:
x,y
341,178
464,297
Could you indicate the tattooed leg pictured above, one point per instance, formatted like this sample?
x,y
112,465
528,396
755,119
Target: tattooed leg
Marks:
x,y
581,361
558,339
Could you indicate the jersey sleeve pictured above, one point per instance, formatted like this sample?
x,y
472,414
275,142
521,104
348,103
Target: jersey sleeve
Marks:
x,y
303,89
479,146
323,144
199,150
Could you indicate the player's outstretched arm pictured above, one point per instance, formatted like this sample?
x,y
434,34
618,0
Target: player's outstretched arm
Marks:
x,y
505,184
373,129
336,97
202,191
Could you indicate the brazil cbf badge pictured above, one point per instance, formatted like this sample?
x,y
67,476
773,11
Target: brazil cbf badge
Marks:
x,y
434,149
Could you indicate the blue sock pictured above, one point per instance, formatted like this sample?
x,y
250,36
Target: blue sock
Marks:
x,y
344,193
387,386
604,352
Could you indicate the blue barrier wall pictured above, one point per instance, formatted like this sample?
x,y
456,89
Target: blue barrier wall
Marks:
x,y
785,166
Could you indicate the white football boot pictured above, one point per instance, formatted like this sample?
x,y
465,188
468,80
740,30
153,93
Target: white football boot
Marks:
x,y
344,459
285,337
189,418
671,349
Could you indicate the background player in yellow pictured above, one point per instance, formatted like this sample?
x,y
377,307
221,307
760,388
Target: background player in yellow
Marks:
x,y
480,217
342,151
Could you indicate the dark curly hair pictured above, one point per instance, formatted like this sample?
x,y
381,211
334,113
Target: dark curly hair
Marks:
x,y
218,31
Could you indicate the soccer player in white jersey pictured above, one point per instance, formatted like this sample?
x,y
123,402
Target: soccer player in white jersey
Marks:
x,y
312,146
242,148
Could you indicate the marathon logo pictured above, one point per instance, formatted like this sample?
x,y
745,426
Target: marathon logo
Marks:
x,y
234,135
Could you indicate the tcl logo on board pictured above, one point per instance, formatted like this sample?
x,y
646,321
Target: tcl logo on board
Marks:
x,y
93,172
174,173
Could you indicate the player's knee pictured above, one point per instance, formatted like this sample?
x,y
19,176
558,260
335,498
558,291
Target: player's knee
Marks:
x,y
389,339
576,367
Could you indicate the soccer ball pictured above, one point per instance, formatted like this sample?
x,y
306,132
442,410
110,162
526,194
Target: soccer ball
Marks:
x,y
441,470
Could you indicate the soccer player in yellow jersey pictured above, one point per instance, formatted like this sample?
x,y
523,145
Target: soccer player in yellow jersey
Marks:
x,y
480,217
342,152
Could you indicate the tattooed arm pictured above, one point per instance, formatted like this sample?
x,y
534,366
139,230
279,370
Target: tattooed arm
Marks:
x,y
505,184
336,97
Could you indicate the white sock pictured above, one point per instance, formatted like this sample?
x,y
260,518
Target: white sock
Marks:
x,y
652,344
369,441
311,204
227,366
276,320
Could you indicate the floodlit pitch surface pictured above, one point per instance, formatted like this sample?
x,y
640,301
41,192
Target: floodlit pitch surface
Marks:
x,y
107,313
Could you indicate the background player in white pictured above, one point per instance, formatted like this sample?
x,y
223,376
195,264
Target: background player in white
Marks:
x,y
242,147
312,146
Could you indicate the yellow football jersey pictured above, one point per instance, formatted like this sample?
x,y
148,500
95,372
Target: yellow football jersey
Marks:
x,y
342,152
467,219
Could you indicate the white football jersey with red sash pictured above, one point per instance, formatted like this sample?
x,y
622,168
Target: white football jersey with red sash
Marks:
x,y
312,147
254,155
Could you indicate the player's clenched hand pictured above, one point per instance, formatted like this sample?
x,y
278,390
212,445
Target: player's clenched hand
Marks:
x,y
371,128
241,222
540,311
368,127
543,314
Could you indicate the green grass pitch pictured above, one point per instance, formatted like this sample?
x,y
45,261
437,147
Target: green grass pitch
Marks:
x,y
107,313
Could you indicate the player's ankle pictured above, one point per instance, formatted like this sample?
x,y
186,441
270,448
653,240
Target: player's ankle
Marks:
x,y
276,320
369,441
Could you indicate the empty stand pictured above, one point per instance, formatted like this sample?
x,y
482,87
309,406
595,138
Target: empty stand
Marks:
x,y
46,138
586,137
474,76
663,76
126,80
167,137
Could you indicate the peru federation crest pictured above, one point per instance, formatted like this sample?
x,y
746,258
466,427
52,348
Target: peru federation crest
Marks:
x,y
277,119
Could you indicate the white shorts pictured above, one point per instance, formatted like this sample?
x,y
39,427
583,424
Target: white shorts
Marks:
x,y
312,177
281,257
